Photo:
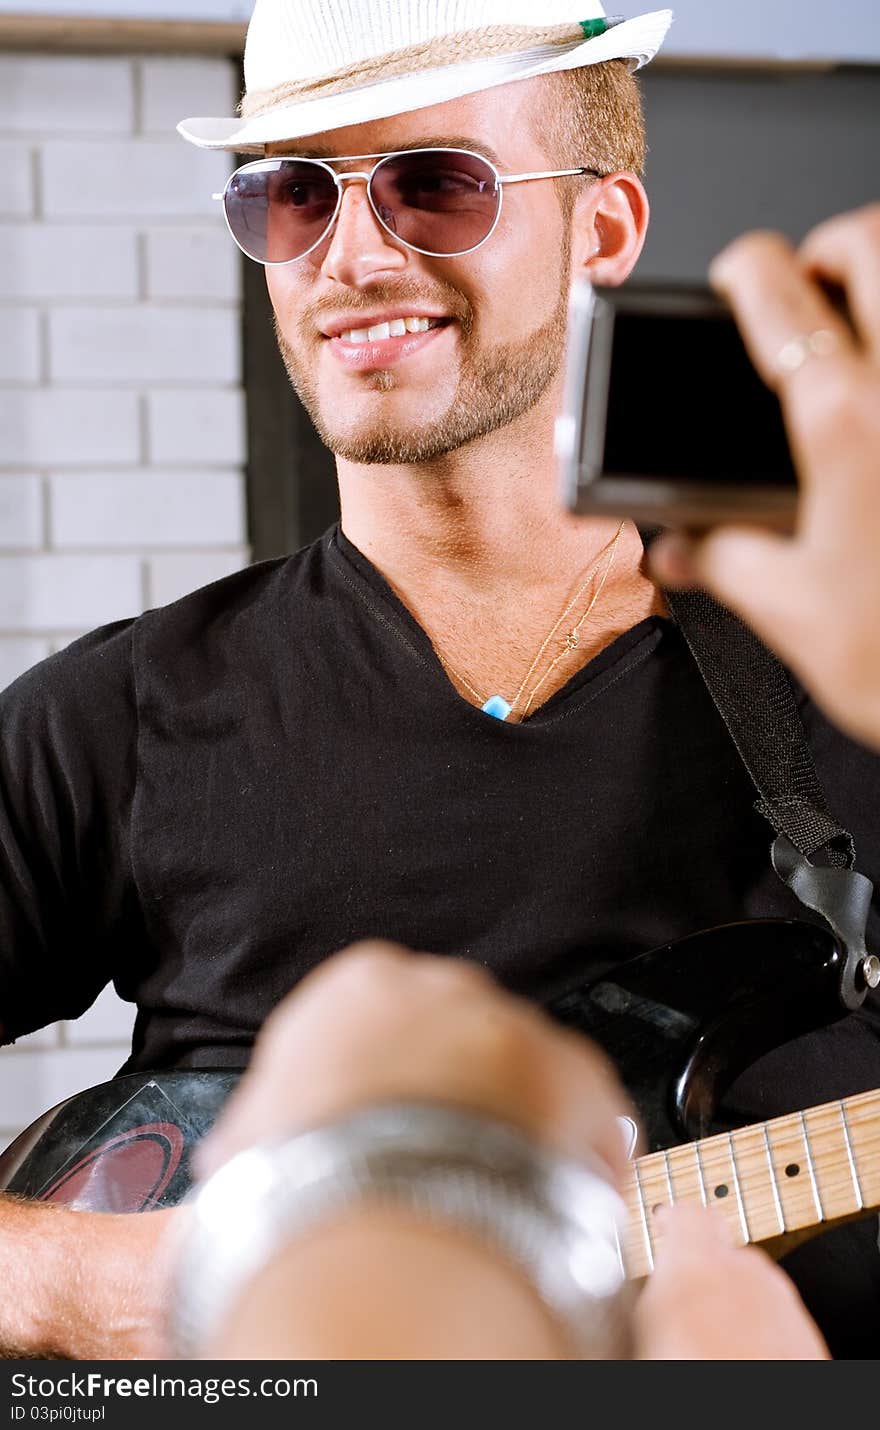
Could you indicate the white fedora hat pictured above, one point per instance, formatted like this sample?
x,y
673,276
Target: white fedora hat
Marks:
x,y
317,65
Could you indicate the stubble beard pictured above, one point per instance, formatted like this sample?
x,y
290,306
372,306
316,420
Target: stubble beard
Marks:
x,y
495,388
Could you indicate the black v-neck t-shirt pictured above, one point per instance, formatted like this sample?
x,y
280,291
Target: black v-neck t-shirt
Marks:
x,y
204,803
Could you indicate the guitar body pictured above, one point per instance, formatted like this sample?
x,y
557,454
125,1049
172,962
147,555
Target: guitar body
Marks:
x,y
680,1023
123,1146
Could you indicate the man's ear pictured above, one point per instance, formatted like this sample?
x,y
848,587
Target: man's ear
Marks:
x,y
610,223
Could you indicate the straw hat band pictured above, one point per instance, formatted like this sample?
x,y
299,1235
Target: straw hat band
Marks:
x,y
478,45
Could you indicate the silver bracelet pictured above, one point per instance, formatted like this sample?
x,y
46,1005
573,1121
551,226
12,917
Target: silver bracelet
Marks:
x,y
556,1220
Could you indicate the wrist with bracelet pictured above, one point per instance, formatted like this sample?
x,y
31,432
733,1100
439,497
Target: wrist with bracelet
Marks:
x,y
555,1220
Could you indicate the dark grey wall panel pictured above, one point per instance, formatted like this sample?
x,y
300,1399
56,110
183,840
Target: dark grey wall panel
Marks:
x,y
732,151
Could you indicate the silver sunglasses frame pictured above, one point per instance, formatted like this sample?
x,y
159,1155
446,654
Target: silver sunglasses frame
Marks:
x,y
341,179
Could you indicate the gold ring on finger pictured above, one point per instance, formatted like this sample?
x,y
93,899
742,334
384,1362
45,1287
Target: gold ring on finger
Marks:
x,y
820,343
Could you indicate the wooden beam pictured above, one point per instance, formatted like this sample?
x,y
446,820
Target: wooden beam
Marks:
x,y
54,33
742,64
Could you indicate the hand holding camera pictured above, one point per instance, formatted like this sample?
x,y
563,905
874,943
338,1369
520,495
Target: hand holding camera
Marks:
x,y
814,598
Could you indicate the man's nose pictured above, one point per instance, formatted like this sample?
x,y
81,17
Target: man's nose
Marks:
x,y
360,249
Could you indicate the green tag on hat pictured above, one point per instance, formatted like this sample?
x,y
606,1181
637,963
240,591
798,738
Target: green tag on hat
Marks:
x,y
593,28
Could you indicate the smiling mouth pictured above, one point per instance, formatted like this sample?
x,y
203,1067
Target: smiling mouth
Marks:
x,y
395,328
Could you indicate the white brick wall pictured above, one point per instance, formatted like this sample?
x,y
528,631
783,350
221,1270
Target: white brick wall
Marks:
x,y
175,89
40,262
77,426
170,577
142,344
66,95
138,510
17,195
21,346
122,432
207,425
188,263
21,513
137,178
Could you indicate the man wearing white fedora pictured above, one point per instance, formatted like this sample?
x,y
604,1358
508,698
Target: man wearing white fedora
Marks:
x,y
463,720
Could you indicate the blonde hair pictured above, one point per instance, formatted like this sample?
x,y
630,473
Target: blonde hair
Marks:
x,y
592,116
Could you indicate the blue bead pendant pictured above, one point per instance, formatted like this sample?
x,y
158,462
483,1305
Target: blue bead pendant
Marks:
x,y
496,705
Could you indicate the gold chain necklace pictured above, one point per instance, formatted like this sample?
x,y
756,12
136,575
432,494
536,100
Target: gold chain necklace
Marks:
x,y
496,704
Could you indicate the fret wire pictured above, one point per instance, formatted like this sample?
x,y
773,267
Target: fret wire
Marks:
x,y
702,1176
648,1239
776,1202
813,1183
668,1178
743,1215
849,1152
620,1258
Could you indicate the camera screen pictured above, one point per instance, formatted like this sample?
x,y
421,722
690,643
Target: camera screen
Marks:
x,y
686,403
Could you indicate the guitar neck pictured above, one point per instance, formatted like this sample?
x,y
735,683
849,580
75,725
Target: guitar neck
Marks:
x,y
781,1179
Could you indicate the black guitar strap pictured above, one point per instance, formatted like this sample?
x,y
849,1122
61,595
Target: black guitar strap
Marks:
x,y
755,698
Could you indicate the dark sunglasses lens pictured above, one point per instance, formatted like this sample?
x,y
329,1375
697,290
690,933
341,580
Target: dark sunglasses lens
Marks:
x,y
442,201
281,209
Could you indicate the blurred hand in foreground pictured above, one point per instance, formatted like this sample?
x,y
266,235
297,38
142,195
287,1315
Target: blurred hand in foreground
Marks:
x,y
378,1023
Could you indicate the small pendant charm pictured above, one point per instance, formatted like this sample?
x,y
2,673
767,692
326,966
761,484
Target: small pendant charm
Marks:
x,y
572,640
496,705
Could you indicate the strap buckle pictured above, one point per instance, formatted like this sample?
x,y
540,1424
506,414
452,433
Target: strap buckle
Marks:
x,y
843,899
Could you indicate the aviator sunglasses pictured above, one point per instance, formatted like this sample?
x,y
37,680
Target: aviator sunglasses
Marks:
x,y
439,202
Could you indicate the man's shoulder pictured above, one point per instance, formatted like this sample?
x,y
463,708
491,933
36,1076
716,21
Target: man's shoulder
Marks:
x,y
247,607
88,672
96,678
69,713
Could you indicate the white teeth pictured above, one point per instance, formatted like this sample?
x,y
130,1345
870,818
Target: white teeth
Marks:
x,y
395,329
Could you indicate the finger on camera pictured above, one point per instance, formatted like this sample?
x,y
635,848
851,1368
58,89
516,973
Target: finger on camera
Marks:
x,y
845,251
775,303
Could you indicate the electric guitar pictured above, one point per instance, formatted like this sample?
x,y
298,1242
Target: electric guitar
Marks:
x,y
680,1023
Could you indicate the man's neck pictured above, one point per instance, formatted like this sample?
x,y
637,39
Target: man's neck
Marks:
x,y
480,549
477,523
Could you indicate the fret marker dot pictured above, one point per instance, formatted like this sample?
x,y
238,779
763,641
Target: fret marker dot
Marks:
x,y
792,1169
721,1191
